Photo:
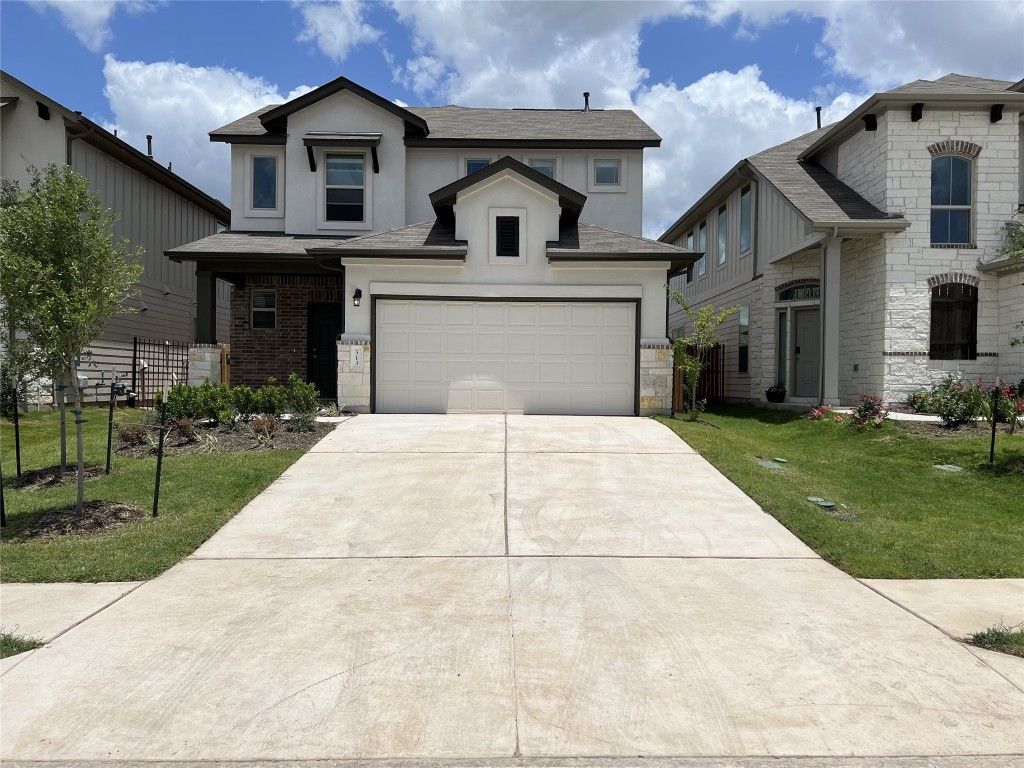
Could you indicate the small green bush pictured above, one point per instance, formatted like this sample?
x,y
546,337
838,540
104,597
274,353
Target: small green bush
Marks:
x,y
868,412
956,401
302,421
271,398
302,396
244,401
921,402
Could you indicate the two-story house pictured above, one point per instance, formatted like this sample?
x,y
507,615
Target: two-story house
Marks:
x,y
864,255
156,209
442,259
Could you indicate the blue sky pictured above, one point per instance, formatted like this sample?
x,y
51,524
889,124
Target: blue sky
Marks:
x,y
718,81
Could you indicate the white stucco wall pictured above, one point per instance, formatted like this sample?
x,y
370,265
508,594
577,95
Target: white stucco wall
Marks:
x,y
534,277
27,138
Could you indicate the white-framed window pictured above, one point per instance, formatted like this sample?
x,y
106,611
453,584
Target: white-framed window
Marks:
x,y
723,233
506,236
702,247
264,310
952,196
344,194
606,174
745,219
546,165
264,182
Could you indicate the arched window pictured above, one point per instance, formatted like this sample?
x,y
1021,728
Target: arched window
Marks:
x,y
804,292
954,326
952,182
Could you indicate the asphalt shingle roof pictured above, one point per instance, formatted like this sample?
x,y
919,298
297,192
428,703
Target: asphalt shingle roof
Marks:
x,y
427,235
250,243
954,83
583,238
815,192
465,123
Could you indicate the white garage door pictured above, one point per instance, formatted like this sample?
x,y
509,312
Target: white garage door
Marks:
x,y
458,356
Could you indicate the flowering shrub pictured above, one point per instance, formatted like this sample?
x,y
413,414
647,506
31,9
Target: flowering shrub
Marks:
x,y
868,411
825,413
921,401
1009,409
956,401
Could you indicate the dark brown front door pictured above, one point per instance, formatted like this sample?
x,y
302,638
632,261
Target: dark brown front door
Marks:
x,y
326,321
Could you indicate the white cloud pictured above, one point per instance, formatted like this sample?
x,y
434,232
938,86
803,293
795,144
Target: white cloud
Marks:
x,y
336,27
90,19
179,104
709,126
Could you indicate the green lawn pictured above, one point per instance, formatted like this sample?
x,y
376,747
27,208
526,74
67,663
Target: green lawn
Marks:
x,y
916,522
198,494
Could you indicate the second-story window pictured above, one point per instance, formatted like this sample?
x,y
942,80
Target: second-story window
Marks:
x,y
702,246
264,182
346,187
689,247
951,200
545,166
607,172
723,232
507,236
474,164
745,212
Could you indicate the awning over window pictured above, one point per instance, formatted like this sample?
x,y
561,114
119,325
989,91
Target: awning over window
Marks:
x,y
341,140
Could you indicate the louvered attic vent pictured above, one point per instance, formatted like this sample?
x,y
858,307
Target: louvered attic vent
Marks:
x,y
508,236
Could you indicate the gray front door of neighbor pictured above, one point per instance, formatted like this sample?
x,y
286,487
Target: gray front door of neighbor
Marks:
x,y
806,353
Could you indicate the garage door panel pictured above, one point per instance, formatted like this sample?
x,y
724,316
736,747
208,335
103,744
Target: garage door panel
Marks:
x,y
529,356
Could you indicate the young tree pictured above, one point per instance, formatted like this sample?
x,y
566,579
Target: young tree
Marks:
x,y
703,337
59,257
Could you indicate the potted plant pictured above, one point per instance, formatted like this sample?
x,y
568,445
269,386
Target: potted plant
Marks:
x,y
775,393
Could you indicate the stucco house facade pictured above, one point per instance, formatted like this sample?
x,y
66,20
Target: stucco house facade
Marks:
x,y
864,255
156,209
443,259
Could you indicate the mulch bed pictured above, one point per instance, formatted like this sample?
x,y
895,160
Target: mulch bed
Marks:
x,y
96,516
934,429
223,440
51,477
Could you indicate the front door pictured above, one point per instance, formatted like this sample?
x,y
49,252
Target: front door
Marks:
x,y
325,321
806,352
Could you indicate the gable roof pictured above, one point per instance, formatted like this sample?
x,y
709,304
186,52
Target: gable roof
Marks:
x,y
570,201
120,150
455,126
428,239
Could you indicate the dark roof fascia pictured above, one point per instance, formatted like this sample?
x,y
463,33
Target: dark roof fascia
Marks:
x,y
711,199
367,140
905,99
568,198
9,100
453,254
1017,87
251,263
676,264
276,120
247,138
470,143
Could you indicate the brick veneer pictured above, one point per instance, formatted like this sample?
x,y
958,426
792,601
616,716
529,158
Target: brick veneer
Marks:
x,y
256,353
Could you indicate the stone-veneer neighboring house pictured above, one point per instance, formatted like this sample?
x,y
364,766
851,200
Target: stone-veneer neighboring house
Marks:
x,y
443,259
864,255
156,209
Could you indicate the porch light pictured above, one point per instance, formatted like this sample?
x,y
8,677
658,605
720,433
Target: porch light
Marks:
x,y
357,296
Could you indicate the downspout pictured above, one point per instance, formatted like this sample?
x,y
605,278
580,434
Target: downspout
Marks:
x,y
72,136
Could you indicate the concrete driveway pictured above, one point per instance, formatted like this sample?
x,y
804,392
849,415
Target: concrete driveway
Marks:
x,y
489,586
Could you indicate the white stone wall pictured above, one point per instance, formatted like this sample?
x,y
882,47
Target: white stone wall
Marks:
x,y
655,379
204,363
911,260
861,163
1011,326
862,315
354,385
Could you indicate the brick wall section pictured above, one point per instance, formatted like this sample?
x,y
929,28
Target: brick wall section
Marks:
x,y
655,379
257,354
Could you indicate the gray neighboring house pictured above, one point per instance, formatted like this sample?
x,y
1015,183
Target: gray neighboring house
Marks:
x,y
156,209
864,254
443,259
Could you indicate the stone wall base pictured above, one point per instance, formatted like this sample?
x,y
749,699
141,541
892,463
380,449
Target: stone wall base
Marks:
x,y
655,379
354,381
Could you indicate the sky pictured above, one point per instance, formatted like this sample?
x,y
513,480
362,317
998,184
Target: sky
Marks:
x,y
718,81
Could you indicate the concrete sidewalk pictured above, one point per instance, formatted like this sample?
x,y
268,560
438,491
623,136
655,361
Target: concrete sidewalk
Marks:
x,y
462,588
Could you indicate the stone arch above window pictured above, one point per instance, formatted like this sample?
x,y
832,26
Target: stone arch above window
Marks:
x,y
806,288
955,147
952,277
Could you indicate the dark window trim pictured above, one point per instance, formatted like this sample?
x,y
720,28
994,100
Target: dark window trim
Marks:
x,y
953,327
506,236
267,311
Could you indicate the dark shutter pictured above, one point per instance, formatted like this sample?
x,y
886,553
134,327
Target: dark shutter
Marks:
x,y
954,322
508,236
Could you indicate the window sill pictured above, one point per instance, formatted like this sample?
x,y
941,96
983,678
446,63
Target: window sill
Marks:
x,y
952,246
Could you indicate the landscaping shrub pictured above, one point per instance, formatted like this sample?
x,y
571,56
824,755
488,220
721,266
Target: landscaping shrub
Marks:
x,y
956,401
921,401
302,396
262,428
184,428
1009,409
302,421
244,401
211,400
131,434
271,398
868,411
825,413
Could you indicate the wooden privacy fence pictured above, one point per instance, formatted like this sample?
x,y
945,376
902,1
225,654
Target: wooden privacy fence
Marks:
x,y
710,386
156,364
